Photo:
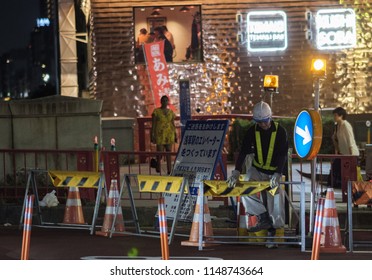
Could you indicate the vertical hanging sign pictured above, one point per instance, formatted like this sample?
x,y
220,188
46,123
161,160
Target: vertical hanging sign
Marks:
x,y
157,69
185,110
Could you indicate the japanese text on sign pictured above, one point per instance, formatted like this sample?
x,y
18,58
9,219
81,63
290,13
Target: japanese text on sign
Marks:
x,y
198,154
158,70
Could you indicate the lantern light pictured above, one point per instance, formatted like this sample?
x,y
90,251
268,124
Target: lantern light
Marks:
x,y
318,67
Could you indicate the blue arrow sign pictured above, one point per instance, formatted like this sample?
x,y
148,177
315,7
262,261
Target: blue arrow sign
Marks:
x,y
303,134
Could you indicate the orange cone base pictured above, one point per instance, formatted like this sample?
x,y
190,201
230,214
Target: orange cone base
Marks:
x,y
196,244
75,217
340,249
107,234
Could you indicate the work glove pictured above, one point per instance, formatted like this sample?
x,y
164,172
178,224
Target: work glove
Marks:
x,y
233,179
248,164
248,161
274,183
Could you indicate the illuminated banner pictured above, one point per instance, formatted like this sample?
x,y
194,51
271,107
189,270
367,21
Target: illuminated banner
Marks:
x,y
267,31
157,69
335,29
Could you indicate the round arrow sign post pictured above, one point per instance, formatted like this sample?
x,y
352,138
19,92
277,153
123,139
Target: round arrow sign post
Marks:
x,y
308,134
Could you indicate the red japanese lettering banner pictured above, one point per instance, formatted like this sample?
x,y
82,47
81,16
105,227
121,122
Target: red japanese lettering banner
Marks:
x,y
157,69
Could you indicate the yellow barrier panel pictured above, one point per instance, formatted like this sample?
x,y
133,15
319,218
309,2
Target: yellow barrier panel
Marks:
x,y
221,188
160,184
82,179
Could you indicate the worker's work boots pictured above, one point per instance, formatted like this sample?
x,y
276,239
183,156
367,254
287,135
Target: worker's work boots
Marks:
x,y
264,222
270,243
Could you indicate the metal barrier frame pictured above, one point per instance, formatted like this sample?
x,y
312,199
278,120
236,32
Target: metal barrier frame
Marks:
x,y
139,232
301,238
349,232
32,182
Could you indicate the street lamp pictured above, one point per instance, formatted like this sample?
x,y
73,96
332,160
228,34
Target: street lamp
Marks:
x,y
271,85
318,69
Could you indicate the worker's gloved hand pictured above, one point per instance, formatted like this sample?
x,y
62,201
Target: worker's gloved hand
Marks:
x,y
233,179
275,180
274,184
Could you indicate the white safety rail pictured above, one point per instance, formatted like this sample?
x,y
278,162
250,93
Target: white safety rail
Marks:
x,y
295,240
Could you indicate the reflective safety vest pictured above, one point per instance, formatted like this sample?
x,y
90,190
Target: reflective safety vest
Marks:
x,y
267,164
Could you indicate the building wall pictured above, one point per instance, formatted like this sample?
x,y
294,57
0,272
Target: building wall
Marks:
x,y
230,78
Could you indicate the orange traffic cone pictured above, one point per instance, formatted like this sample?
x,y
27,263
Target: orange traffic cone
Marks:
x,y
73,210
208,230
245,221
112,202
331,238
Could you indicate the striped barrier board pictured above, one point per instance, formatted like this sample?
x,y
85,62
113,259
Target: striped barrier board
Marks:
x,y
160,184
221,188
75,179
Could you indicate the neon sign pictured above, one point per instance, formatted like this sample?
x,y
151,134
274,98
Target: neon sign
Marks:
x,y
335,29
42,22
267,31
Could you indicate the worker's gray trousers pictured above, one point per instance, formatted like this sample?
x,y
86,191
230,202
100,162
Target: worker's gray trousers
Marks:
x,y
260,203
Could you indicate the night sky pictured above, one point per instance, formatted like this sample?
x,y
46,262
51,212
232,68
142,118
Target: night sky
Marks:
x,y
17,19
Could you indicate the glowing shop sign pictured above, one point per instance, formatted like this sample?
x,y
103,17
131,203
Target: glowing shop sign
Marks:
x,y
267,31
335,29
42,22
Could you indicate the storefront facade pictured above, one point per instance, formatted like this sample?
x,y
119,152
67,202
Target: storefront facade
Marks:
x,y
228,77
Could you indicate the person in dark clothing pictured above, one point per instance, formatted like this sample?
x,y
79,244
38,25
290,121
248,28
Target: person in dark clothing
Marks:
x,y
264,152
168,48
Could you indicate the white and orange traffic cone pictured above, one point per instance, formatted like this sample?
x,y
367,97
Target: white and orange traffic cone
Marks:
x,y
245,221
208,229
331,239
73,211
113,202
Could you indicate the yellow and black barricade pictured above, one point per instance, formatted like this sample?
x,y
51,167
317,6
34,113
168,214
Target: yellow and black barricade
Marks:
x,y
244,188
80,179
151,184
67,179
221,188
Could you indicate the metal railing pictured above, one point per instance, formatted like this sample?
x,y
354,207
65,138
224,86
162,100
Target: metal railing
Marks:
x,y
15,163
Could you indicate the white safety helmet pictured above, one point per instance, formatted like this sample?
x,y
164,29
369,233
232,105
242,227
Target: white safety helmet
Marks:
x,y
262,112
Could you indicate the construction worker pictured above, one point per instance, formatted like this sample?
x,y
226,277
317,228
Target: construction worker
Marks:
x,y
264,152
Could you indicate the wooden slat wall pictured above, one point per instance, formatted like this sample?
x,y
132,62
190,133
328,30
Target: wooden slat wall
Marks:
x,y
230,79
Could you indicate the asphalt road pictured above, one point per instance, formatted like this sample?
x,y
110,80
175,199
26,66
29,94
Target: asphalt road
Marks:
x,y
76,244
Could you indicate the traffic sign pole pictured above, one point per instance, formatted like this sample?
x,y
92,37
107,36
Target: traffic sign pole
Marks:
x,y
313,163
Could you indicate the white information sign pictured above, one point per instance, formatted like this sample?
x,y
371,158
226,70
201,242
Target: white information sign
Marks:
x,y
335,29
197,159
267,31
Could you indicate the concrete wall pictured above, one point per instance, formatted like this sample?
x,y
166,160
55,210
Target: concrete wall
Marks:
x,y
55,122
51,123
121,129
